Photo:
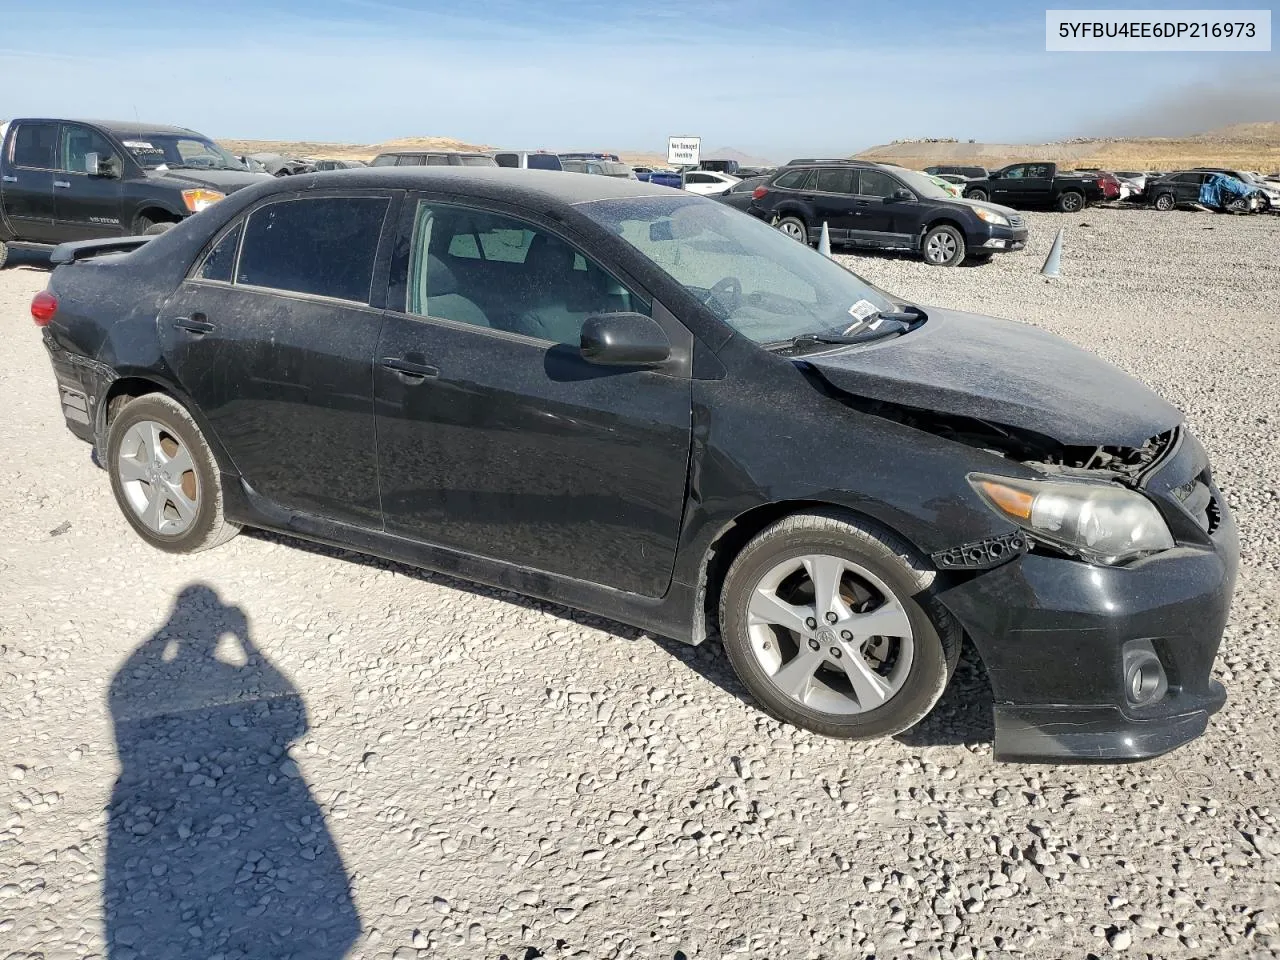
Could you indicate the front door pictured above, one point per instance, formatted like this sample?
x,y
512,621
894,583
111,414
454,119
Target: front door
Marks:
x,y
876,213
28,181
495,437
85,206
279,356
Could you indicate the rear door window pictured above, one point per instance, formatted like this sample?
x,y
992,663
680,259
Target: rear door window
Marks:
x,y
507,159
544,161
34,145
221,261
835,180
323,246
437,160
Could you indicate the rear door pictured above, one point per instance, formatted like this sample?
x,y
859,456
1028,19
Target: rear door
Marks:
x,y
272,335
835,203
86,206
27,184
495,437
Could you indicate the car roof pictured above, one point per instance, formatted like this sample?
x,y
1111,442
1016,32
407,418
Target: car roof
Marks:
x,y
123,128
491,183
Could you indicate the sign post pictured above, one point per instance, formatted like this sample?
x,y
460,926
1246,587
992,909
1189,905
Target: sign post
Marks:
x,y
683,151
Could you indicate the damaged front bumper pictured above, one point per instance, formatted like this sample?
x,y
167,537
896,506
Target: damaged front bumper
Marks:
x,y
1059,637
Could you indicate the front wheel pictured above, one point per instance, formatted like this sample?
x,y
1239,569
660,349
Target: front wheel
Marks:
x,y
943,246
833,626
794,228
164,476
1071,202
1164,202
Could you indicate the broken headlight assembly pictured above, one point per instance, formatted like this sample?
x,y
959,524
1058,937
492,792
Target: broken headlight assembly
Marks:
x,y
1098,522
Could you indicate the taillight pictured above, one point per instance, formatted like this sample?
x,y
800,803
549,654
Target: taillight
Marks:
x,y
43,306
759,192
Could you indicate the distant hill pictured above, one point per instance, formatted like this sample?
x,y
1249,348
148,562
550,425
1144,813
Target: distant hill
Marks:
x,y
1248,146
367,151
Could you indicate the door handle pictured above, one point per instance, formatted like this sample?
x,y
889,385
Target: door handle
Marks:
x,y
807,197
8,179
863,203
410,368
194,324
62,183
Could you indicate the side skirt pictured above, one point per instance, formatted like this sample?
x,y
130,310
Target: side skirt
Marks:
x,y
668,616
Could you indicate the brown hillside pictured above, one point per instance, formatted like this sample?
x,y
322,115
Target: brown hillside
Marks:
x,y
1247,146
359,151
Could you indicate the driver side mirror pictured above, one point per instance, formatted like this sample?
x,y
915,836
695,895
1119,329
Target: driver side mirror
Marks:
x,y
903,195
97,166
624,340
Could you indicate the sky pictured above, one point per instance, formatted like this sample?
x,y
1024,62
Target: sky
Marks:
x,y
773,78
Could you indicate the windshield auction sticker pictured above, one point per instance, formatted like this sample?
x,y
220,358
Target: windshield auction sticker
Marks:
x,y
1154,31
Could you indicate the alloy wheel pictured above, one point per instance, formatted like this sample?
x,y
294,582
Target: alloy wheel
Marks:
x,y
940,248
792,229
830,635
158,478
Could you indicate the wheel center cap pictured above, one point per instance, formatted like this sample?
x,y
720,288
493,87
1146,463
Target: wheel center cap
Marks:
x,y
826,635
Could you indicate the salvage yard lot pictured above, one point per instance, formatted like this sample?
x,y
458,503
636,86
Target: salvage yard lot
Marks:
x,y
503,777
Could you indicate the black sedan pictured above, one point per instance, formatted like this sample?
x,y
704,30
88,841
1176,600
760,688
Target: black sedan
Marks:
x,y
635,401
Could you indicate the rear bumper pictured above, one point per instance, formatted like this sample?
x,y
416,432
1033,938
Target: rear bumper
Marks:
x,y
1053,634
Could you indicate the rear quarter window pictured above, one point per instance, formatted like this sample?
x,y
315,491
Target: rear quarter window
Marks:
x,y
324,246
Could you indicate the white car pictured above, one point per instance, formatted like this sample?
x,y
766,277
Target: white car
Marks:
x,y
709,183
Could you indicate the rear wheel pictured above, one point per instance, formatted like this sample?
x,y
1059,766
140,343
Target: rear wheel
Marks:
x,y
979,195
794,228
1072,201
943,246
165,477
1164,202
833,626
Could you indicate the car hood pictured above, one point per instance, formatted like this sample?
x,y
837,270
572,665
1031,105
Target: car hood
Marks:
x,y
225,181
1005,373
1004,211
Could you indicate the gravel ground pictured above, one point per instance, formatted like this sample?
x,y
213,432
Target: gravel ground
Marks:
x,y
273,749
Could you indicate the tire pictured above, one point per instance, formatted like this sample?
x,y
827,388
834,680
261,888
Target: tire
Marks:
x,y
978,259
943,246
885,566
146,227
1071,201
979,195
1164,202
4,253
190,517
794,228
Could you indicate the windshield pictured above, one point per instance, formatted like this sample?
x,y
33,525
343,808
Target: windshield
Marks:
x,y
154,150
922,186
759,281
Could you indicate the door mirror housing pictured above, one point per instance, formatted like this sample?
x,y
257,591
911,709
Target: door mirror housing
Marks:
x,y
903,194
624,340
98,166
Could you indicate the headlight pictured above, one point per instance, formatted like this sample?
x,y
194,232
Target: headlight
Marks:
x,y
197,200
990,216
1100,522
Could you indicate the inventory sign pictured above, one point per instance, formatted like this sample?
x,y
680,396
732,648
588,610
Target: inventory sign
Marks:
x,y
1153,31
683,151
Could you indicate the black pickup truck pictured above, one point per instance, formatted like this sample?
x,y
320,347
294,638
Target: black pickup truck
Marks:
x,y
66,180
1028,185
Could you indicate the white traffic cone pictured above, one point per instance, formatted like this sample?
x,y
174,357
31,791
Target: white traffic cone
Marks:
x,y
824,241
1054,260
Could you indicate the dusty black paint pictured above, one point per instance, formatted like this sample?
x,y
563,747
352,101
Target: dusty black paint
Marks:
x,y
622,491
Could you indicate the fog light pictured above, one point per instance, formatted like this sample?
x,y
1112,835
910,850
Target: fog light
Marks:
x,y
998,244
1144,678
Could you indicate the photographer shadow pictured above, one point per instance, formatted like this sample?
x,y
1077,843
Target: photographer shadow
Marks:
x,y
215,845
